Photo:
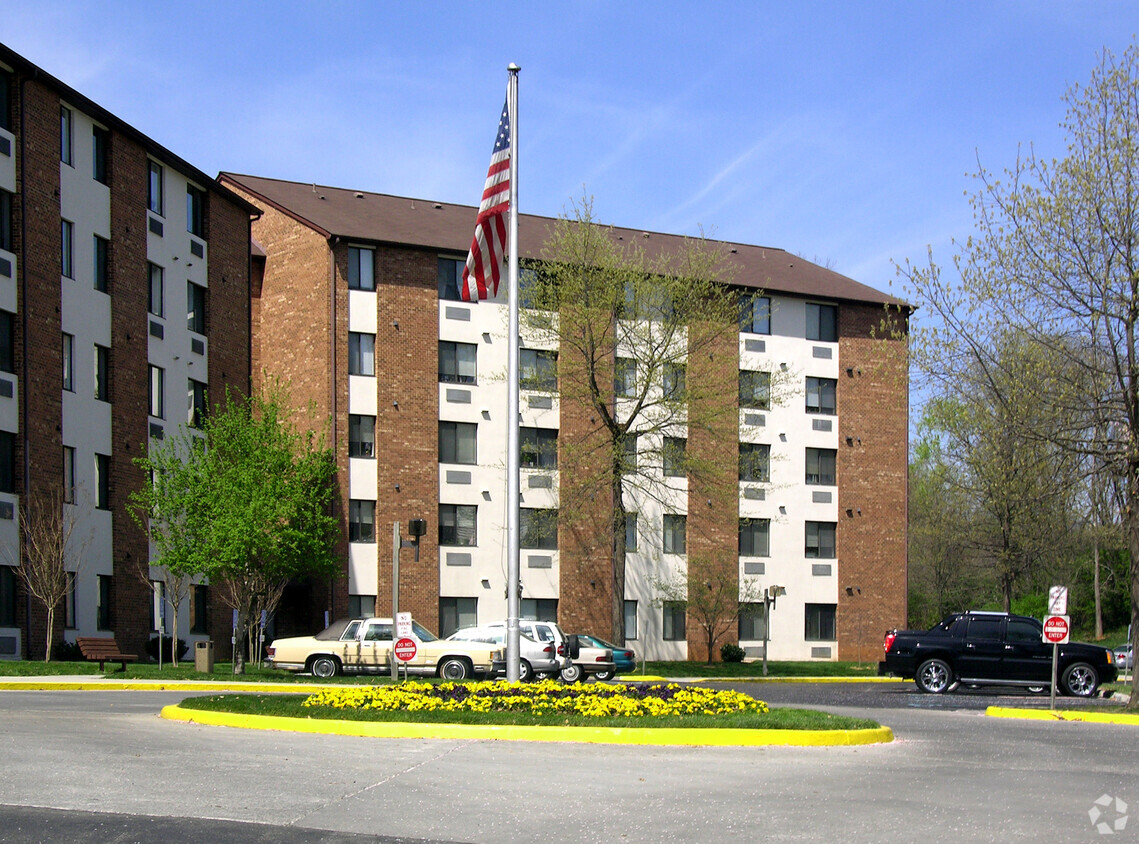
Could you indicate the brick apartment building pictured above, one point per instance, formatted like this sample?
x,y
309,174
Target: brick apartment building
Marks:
x,y
355,306
124,301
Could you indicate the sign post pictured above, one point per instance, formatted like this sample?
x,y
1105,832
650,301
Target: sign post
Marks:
x,y
1056,632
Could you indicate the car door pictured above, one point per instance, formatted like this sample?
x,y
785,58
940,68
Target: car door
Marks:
x,y
1027,656
351,646
984,649
376,649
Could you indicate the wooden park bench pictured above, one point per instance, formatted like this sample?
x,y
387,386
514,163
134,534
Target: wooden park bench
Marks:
x,y
104,649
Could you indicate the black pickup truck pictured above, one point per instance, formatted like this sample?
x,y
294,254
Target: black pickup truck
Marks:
x,y
993,648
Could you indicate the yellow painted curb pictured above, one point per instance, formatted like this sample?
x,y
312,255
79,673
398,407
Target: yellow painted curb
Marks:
x,y
1063,715
589,735
152,686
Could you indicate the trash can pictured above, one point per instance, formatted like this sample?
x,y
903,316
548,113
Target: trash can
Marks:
x,y
204,657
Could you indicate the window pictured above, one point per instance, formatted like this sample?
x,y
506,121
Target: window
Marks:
x,y
361,353
674,530
103,603
629,453
361,269
157,392
1023,630
822,322
157,606
156,293
540,609
649,300
361,521
102,264
755,389
457,362
630,531
65,135
5,221
755,313
537,369
819,626
625,377
458,524
196,211
69,603
456,613
199,608
195,403
68,363
674,629
7,341
100,154
752,623
538,529
154,187
820,543
539,448
672,457
755,537
361,436
457,442
67,249
102,482
674,378
7,462
821,466
450,277
69,474
821,395
360,606
102,373
755,462
984,629
7,596
195,307
630,620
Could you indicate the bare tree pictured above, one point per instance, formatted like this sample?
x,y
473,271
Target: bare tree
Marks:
x,y
53,552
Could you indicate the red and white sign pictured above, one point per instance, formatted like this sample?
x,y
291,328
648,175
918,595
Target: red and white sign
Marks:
x,y
1056,630
403,624
405,649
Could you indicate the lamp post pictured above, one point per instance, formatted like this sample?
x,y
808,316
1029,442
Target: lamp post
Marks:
x,y
770,593
417,528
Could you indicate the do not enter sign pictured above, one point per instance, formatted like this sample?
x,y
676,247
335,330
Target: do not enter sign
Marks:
x,y
405,649
1056,630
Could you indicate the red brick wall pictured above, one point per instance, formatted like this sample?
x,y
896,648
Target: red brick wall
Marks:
x,y
873,402
407,435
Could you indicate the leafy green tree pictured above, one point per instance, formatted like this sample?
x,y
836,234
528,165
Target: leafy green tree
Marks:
x,y
1056,254
246,501
638,334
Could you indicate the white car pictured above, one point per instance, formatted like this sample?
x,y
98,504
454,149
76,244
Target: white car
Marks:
x,y
1125,657
535,658
578,661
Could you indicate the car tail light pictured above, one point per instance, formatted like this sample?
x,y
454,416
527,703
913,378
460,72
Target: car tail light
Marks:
x,y
889,640
549,649
270,651
561,649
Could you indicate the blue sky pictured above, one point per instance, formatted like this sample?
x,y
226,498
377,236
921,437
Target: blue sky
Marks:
x,y
843,132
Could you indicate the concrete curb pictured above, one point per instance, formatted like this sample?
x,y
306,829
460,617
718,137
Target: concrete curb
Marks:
x,y
663,736
1063,715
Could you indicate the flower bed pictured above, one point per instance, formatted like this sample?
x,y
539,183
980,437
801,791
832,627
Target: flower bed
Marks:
x,y
548,697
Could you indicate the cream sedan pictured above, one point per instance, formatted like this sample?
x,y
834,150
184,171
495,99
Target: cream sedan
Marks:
x,y
364,645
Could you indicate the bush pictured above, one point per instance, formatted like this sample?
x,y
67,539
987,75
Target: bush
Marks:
x,y
167,649
67,652
731,653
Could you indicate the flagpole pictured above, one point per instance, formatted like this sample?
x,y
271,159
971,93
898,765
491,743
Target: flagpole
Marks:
x,y
513,498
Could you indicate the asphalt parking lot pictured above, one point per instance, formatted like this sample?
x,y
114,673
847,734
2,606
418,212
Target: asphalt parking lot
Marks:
x,y
951,773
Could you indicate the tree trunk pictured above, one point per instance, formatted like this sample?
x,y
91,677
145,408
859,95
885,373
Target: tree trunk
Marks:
x,y
50,632
620,517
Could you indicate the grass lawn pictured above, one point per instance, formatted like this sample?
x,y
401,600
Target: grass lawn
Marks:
x,y
290,706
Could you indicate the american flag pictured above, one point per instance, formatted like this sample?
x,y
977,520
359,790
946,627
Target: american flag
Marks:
x,y
486,261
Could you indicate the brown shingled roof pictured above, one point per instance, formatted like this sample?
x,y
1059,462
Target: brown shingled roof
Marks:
x,y
380,218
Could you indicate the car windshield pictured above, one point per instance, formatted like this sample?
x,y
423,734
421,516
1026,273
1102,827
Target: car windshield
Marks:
x,y
422,633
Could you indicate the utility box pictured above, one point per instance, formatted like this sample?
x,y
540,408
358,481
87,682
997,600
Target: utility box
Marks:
x,y
204,657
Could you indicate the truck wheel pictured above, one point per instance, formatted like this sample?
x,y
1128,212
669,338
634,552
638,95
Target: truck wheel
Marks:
x,y
325,666
525,671
572,673
454,668
1080,679
934,676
